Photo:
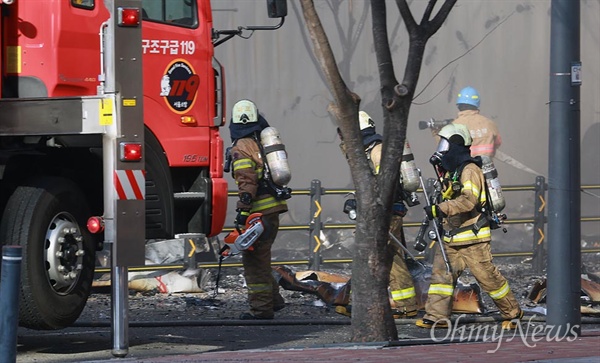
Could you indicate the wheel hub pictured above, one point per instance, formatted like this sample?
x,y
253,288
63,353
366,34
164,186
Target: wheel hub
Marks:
x,y
64,252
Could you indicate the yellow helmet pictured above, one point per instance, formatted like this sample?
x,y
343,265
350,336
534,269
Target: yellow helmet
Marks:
x,y
365,121
451,131
244,111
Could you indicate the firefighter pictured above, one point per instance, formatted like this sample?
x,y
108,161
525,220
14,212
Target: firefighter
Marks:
x,y
467,234
255,196
484,132
401,284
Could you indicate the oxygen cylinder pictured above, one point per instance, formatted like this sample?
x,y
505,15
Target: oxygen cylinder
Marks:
x,y
408,170
276,156
491,178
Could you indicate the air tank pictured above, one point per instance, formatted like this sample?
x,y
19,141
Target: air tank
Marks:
x,y
491,178
276,156
408,170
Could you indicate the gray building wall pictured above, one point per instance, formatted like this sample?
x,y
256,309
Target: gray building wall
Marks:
x,y
500,47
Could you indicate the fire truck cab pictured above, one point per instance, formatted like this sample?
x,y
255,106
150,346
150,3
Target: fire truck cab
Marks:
x,y
51,171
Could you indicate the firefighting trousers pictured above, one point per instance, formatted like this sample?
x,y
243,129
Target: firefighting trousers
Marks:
x,y
401,283
478,258
263,290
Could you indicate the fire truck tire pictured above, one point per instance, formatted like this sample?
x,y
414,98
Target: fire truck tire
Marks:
x,y
47,218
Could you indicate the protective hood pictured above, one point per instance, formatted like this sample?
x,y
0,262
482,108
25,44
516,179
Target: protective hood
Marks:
x,y
369,136
455,157
239,131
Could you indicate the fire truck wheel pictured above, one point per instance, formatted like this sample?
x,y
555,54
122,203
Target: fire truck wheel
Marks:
x,y
47,218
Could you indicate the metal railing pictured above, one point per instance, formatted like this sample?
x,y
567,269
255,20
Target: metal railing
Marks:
x,y
316,225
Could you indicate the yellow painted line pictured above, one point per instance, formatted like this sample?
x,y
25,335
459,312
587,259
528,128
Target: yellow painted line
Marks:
x,y
319,209
193,248
541,236
543,204
318,244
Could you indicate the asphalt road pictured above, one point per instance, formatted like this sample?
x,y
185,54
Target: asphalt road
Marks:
x,y
94,344
176,324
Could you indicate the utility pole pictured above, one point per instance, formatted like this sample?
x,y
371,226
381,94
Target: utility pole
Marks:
x,y
564,169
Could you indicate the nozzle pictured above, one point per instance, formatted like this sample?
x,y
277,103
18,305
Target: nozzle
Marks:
x,y
434,124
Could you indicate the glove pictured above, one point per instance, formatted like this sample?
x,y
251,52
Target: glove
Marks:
x,y
241,217
399,209
433,211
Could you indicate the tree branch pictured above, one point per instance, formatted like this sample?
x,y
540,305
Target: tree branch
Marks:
x,y
324,54
440,17
411,24
428,11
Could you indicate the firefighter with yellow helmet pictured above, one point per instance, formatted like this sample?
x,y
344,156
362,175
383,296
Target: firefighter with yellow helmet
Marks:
x,y
467,233
402,289
257,193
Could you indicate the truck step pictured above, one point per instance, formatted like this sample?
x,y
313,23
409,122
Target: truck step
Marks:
x,y
190,235
189,197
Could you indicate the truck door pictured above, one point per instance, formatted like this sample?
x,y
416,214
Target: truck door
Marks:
x,y
178,78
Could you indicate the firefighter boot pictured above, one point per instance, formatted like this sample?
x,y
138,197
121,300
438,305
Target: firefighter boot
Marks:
x,y
403,313
278,302
344,310
429,324
511,324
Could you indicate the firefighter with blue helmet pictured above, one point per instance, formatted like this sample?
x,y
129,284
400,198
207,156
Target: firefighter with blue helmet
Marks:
x,y
254,196
484,132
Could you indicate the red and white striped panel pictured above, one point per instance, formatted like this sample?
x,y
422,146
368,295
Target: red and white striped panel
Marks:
x,y
130,184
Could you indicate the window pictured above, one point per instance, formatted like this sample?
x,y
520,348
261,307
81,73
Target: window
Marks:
x,y
85,4
175,12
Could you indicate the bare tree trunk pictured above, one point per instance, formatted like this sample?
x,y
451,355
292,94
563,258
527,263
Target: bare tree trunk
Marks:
x,y
371,314
372,263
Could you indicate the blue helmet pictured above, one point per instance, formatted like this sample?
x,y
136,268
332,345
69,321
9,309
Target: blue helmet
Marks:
x,y
468,95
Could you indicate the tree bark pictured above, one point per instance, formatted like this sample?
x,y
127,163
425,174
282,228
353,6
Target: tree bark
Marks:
x,y
371,313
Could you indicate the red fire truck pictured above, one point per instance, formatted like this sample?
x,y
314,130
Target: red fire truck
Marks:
x,y
52,173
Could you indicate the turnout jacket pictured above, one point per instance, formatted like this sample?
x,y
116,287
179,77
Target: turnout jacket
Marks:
x,y
247,171
484,132
463,209
374,157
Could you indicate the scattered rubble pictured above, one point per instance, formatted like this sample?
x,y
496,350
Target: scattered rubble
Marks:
x,y
308,293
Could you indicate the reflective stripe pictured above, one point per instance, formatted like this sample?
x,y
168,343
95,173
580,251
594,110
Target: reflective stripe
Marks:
x,y
485,149
403,294
501,292
441,289
247,164
243,164
469,235
266,203
470,186
259,288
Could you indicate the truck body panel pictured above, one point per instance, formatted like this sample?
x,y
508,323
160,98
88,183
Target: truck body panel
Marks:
x,y
73,148
60,56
